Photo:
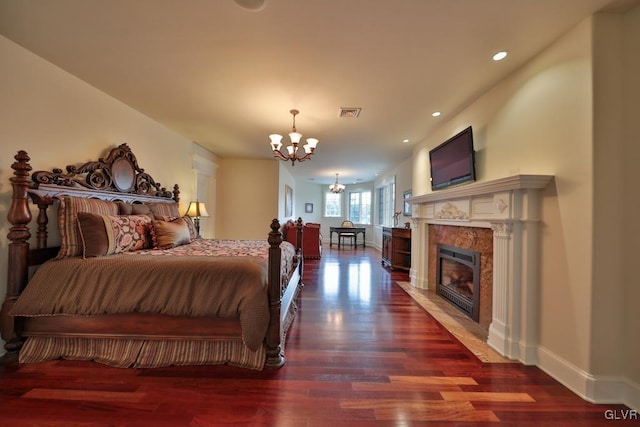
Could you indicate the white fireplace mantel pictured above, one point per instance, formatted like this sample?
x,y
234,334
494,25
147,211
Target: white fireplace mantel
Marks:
x,y
511,208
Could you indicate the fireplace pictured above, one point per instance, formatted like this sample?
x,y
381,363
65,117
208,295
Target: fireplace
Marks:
x,y
458,278
509,209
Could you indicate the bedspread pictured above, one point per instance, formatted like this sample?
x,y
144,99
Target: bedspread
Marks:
x,y
203,278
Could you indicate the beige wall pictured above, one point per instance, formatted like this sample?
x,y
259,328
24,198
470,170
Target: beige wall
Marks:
x,y
60,120
608,154
538,121
405,179
247,198
568,113
630,205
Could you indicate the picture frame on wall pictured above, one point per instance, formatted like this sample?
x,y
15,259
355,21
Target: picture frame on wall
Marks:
x,y
406,210
288,201
308,208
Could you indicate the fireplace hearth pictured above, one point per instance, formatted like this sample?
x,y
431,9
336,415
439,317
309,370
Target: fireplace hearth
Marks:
x,y
458,278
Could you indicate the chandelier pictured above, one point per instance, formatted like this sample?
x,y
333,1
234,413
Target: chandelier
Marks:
x,y
292,150
336,187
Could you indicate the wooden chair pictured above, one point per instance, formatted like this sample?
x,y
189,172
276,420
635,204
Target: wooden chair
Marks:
x,y
347,235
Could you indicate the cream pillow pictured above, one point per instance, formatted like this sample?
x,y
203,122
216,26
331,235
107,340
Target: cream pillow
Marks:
x,y
169,234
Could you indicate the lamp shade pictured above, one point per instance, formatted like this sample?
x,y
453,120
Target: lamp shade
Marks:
x,y
197,210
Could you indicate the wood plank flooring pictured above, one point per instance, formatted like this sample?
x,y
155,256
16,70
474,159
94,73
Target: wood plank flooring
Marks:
x,y
361,352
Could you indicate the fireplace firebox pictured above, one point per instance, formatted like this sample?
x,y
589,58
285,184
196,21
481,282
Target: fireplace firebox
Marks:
x,y
458,278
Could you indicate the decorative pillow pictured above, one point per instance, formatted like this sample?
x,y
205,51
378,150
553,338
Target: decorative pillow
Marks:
x,y
124,208
193,233
94,235
117,234
70,241
164,218
140,209
169,234
128,233
164,209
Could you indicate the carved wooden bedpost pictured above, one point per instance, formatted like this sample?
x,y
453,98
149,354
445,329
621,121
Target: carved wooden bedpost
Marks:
x,y
19,216
275,359
176,193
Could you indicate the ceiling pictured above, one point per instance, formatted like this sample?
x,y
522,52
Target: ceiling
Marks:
x,y
226,76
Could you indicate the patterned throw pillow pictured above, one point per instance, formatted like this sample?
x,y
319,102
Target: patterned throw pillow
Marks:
x,y
70,241
128,233
109,234
169,234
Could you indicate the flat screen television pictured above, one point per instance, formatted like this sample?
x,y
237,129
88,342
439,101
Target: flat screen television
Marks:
x,y
453,161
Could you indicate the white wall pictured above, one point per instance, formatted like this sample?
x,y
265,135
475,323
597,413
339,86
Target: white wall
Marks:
x,y
404,175
285,179
309,192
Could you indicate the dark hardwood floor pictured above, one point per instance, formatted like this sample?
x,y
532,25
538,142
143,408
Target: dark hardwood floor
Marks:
x,y
360,353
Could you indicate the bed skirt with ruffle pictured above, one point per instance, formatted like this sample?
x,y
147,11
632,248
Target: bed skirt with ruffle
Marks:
x,y
139,353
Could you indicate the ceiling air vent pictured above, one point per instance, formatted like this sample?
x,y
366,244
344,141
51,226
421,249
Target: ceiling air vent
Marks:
x,y
350,113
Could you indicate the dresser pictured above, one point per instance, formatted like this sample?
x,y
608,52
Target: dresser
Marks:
x,y
396,248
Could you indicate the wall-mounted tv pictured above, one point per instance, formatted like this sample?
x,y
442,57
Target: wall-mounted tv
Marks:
x,y
453,161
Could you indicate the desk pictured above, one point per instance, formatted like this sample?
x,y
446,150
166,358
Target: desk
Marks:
x,y
340,230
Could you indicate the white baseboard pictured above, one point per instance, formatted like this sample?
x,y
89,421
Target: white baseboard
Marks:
x,y
592,388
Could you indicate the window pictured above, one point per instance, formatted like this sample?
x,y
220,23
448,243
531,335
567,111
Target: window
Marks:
x,y
360,207
386,202
332,204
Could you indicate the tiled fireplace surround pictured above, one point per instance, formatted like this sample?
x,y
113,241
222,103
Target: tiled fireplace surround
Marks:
x,y
500,219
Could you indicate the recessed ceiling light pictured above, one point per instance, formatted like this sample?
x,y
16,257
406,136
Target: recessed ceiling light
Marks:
x,y
435,113
253,5
499,56
406,141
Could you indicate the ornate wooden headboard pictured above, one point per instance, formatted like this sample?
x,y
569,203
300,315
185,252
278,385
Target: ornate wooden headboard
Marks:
x,y
116,177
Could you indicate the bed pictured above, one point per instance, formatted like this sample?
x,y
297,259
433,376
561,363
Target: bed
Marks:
x,y
132,284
